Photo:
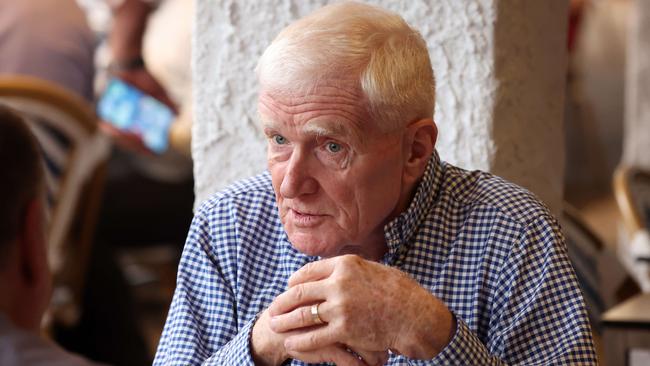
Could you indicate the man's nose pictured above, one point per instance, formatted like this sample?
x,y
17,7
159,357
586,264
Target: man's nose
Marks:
x,y
298,180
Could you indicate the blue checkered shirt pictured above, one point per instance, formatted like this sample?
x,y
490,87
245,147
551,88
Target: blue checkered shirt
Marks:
x,y
487,248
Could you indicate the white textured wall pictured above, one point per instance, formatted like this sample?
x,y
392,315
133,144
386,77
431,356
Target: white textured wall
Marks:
x,y
637,109
500,67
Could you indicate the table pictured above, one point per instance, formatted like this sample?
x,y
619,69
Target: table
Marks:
x,y
626,327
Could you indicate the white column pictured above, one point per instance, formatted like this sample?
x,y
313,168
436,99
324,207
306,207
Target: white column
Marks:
x,y
636,140
499,64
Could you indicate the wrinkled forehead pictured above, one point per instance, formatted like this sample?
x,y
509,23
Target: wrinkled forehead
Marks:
x,y
331,109
316,127
315,83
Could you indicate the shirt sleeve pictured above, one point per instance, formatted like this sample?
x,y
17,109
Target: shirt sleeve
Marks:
x,y
201,326
541,321
235,352
464,349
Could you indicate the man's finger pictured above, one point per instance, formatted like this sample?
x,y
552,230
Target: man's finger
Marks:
x,y
334,353
313,271
312,339
301,317
300,295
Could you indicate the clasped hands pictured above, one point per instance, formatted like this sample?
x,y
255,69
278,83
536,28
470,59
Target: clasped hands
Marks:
x,y
366,309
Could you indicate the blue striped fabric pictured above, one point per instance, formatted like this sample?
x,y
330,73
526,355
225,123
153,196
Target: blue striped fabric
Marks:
x,y
486,247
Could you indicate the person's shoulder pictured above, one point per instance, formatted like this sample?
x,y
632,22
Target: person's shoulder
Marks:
x,y
20,347
481,189
253,191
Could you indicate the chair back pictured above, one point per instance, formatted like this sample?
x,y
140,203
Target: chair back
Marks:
x,y
632,191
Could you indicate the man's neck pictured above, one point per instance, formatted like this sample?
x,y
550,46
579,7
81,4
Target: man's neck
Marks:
x,y
6,298
15,304
373,250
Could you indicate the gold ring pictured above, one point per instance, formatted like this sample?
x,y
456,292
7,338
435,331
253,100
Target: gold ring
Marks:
x,y
314,315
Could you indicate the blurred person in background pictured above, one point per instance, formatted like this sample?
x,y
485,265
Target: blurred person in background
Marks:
x,y
148,197
25,278
595,97
51,40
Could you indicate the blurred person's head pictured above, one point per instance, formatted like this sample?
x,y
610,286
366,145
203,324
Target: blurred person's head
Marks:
x,y
346,102
25,279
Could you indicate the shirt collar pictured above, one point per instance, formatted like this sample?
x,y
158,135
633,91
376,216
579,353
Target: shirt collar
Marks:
x,y
399,231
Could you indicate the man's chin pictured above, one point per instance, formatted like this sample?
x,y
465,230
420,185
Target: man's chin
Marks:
x,y
312,246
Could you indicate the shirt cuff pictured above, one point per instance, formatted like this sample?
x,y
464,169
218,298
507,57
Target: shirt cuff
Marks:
x,y
237,351
464,349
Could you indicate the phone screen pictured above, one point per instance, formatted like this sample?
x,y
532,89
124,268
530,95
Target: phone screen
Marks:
x,y
130,109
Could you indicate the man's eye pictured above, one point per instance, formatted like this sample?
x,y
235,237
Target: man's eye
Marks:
x,y
333,147
279,139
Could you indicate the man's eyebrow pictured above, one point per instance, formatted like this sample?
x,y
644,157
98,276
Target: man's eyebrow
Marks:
x,y
327,129
337,129
313,128
268,124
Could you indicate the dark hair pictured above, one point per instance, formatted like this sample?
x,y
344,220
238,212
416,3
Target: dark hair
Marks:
x,y
21,175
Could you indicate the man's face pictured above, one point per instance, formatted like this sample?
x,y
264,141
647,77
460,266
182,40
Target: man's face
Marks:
x,y
337,178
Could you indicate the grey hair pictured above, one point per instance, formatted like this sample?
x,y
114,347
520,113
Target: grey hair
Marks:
x,y
346,39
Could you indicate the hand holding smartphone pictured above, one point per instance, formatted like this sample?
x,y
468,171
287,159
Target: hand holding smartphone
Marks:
x,y
129,109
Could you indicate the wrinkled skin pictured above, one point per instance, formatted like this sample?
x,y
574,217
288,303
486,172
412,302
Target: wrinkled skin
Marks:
x,y
272,351
338,179
365,305
334,189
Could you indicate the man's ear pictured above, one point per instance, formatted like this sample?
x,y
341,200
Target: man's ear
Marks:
x,y
34,277
34,265
420,141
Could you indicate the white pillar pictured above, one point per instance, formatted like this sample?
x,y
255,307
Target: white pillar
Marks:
x,y
636,141
499,64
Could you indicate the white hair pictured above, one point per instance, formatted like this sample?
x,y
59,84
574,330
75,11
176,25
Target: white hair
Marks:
x,y
351,39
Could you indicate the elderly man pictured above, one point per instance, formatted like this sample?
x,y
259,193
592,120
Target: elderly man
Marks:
x,y
360,246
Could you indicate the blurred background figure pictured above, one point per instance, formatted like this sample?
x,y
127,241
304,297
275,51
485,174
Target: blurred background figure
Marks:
x,y
147,202
595,97
146,206
148,197
599,41
25,277
48,39
605,98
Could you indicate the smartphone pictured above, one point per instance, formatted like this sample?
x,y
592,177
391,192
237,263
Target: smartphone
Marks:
x,y
130,109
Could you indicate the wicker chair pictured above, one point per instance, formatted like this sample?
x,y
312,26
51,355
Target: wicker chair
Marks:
x,y
632,191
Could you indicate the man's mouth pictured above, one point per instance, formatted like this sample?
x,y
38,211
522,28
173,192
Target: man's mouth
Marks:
x,y
305,219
